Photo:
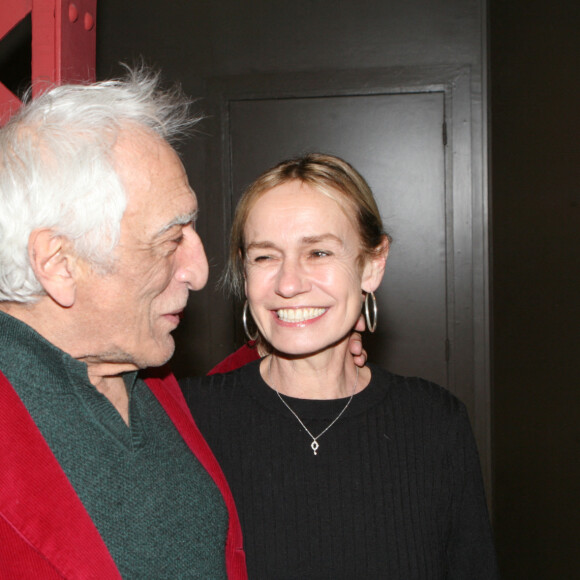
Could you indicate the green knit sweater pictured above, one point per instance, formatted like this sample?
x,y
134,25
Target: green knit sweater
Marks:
x,y
156,508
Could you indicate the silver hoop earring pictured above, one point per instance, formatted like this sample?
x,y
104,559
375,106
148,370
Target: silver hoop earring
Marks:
x,y
371,326
245,323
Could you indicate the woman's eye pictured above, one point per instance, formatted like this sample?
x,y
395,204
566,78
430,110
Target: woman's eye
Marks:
x,y
320,254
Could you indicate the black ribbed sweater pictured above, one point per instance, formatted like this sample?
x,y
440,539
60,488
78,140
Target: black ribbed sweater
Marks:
x,y
394,492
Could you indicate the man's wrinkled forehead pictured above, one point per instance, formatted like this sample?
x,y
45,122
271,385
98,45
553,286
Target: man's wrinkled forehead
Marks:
x,y
139,156
132,139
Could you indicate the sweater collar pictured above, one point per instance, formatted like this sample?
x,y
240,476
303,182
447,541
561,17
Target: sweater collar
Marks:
x,y
371,395
26,356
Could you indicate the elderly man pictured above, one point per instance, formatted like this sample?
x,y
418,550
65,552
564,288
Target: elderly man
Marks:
x,y
103,474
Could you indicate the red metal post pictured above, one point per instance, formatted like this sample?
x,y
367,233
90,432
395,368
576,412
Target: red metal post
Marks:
x,y
63,43
11,13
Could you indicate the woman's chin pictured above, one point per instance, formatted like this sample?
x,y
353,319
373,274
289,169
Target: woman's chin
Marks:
x,y
301,350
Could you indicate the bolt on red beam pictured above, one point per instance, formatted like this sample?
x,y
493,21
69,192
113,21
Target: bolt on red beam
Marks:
x,y
63,42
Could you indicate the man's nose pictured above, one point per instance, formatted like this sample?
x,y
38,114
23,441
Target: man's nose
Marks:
x,y
192,268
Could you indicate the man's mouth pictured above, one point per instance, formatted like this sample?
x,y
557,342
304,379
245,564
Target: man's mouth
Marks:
x,y
299,314
175,316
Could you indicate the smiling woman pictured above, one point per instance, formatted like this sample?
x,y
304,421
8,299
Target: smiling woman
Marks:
x,y
304,281
341,472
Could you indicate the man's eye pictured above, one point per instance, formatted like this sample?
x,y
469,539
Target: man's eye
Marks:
x,y
175,242
320,254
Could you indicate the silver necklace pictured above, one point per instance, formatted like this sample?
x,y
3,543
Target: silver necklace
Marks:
x,y
314,445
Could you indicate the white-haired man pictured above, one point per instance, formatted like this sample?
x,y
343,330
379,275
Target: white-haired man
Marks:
x,y
103,474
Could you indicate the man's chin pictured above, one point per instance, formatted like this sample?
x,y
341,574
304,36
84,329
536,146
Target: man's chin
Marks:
x,y
160,355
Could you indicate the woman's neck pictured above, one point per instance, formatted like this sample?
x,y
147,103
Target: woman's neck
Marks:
x,y
325,375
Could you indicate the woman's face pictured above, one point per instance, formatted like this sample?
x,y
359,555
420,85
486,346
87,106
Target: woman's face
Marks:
x,y
304,280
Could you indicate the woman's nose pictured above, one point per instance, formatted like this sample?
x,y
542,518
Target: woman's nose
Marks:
x,y
291,279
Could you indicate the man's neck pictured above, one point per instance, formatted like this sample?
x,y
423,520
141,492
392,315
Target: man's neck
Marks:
x,y
113,387
57,326
44,317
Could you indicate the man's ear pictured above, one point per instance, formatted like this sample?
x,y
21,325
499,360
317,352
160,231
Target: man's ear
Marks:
x,y
52,261
374,268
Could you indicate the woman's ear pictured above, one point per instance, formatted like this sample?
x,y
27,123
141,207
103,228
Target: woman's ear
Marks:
x,y
374,268
52,261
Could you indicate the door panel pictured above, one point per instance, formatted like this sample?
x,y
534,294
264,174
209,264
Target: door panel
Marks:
x,y
395,141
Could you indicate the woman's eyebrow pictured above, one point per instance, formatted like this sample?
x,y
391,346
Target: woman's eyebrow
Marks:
x,y
307,240
260,245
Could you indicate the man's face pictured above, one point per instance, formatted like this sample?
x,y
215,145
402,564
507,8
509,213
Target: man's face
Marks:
x,y
131,311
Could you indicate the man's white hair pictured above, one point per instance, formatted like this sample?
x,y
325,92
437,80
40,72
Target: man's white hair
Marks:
x,y
57,168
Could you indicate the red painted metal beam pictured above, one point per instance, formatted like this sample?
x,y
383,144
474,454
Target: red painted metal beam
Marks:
x,y
63,43
11,13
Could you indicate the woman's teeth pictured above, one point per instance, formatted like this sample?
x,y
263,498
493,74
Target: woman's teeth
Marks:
x,y
299,314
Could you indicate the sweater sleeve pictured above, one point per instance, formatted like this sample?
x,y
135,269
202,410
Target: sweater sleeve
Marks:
x,y
470,549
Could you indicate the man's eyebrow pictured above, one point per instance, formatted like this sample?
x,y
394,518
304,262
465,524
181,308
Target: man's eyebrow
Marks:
x,y
180,220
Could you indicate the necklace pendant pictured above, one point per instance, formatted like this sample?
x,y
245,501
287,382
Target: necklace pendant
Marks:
x,y
314,446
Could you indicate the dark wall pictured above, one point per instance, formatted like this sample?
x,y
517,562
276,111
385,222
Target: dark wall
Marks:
x,y
535,177
195,41
535,83
534,58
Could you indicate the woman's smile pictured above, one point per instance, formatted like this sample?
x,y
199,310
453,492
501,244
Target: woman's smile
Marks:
x,y
294,315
